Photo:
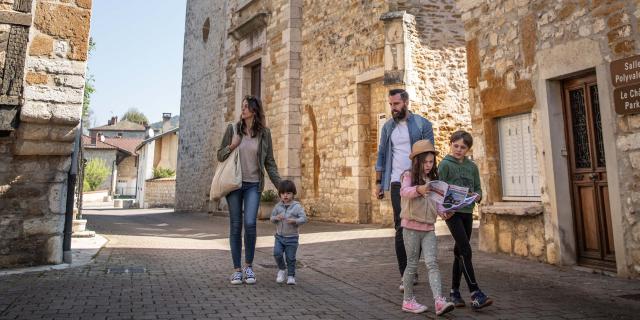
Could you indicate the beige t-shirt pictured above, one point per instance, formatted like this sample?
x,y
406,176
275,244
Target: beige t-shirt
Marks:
x,y
249,159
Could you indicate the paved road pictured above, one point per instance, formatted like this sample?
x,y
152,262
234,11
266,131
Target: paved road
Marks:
x,y
162,265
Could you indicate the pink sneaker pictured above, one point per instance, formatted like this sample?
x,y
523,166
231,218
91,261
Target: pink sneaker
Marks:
x,y
443,306
413,306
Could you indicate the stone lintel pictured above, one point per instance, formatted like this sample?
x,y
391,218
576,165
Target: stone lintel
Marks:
x,y
254,23
391,15
17,18
370,76
514,208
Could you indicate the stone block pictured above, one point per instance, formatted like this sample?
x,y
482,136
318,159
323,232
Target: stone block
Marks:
x,y
65,22
54,94
48,224
634,121
35,112
53,250
34,78
504,241
629,142
55,66
41,45
57,198
520,247
488,241
34,148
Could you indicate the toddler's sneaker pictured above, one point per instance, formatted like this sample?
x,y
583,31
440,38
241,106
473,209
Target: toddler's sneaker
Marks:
x,y
479,300
291,280
249,276
412,306
456,298
236,278
280,276
443,306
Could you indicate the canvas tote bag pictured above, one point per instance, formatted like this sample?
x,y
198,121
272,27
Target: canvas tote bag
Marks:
x,y
228,176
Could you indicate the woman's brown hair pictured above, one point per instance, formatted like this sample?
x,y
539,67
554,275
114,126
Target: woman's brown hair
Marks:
x,y
416,169
255,106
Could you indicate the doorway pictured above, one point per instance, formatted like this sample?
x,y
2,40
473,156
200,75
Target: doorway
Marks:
x,y
587,173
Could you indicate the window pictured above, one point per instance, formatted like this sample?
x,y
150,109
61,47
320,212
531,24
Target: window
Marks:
x,y
520,174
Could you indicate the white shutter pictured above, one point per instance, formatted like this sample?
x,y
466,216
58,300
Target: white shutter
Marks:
x,y
517,156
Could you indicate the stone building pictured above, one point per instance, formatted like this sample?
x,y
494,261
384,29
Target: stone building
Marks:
x,y
43,53
558,152
323,70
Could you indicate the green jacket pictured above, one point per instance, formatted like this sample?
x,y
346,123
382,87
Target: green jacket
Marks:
x,y
465,174
265,154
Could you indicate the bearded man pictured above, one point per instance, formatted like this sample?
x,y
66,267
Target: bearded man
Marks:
x,y
396,139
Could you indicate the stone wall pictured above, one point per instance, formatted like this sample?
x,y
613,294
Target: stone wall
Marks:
x,y
437,79
203,99
160,193
340,41
48,75
516,52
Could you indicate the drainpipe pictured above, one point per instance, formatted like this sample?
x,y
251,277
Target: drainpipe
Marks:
x,y
71,184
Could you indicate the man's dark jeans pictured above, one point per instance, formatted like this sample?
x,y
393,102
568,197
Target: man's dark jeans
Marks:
x,y
401,254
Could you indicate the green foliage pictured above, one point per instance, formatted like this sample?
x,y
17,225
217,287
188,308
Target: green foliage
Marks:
x,y
269,196
95,173
89,89
136,116
160,172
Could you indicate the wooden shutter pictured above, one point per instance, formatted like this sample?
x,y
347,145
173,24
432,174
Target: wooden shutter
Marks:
x,y
517,156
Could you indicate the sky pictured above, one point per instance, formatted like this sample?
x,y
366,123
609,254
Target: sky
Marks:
x,y
137,61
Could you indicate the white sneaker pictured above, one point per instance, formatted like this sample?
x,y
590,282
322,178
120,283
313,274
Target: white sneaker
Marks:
x,y
401,287
281,275
291,280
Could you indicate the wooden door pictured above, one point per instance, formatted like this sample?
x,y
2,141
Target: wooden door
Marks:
x,y
588,174
256,80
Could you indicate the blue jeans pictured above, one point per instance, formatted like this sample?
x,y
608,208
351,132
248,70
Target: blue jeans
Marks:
x,y
287,246
247,197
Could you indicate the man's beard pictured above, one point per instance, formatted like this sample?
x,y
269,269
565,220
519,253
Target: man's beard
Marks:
x,y
400,115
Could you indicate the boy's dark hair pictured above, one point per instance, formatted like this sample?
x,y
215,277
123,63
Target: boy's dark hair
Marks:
x,y
403,94
465,136
286,186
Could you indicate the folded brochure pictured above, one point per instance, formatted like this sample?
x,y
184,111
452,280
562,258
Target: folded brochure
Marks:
x,y
450,197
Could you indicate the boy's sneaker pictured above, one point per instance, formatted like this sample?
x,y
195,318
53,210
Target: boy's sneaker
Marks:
x,y
456,299
236,278
412,306
291,280
249,276
281,275
479,300
443,306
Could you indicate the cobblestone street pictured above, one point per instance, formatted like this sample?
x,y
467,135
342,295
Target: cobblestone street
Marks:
x,y
162,265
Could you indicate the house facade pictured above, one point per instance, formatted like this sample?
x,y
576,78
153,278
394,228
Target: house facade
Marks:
x,y
322,70
156,152
553,91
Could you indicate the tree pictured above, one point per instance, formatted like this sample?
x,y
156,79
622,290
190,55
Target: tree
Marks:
x,y
95,173
136,116
89,89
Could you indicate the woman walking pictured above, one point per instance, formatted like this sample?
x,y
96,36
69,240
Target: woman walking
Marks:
x,y
256,155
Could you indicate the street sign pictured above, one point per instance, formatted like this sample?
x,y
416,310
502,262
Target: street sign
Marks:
x,y
627,99
626,71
